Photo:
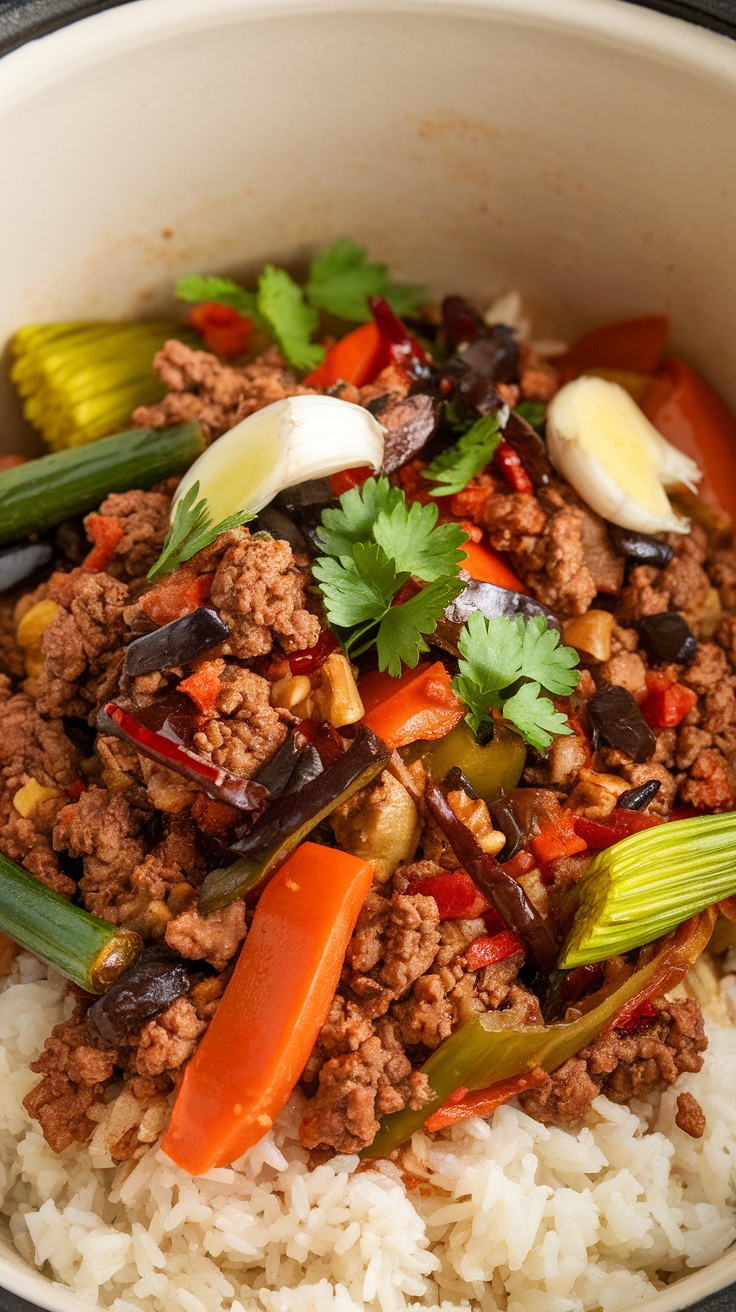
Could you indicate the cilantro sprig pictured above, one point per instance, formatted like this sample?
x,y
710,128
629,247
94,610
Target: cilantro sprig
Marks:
x,y
373,544
192,530
454,468
504,665
341,279
222,290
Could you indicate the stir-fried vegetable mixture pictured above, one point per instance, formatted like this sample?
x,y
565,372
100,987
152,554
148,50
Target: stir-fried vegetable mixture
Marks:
x,y
369,711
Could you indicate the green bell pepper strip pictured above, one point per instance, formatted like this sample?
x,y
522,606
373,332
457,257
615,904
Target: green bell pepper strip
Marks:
x,y
489,769
493,1047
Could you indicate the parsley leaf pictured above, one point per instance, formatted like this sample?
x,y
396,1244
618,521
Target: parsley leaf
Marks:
x,y
192,530
341,280
455,467
504,664
374,543
290,319
222,290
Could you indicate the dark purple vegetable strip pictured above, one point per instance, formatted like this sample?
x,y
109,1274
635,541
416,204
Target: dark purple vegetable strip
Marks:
x,y
290,818
530,449
616,717
635,799
488,360
491,601
245,794
461,322
145,989
175,643
502,890
409,422
642,548
20,561
667,637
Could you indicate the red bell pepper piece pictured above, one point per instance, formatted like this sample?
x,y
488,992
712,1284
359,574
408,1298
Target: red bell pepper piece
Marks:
x,y
619,824
687,943
419,704
482,1102
403,349
311,659
223,330
357,358
75,790
490,949
667,702
632,345
559,838
106,532
509,463
520,864
686,410
204,685
347,478
455,893
487,566
176,595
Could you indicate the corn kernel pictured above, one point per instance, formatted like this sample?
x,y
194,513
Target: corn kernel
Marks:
x,y
28,797
34,624
288,692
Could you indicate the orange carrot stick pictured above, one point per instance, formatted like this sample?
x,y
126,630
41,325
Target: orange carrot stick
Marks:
x,y
487,566
419,704
265,1027
481,1102
355,359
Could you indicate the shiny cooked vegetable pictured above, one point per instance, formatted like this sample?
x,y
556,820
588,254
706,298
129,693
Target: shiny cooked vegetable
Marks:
x,y
175,643
273,1008
419,704
488,768
143,991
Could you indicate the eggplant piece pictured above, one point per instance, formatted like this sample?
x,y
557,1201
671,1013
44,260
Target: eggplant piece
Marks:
x,y
303,504
146,989
616,717
244,794
488,360
635,799
491,601
530,449
667,637
21,560
504,892
642,548
280,526
461,322
175,643
409,423
289,819
503,817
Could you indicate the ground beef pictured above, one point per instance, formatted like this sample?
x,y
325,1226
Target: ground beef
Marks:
x,y
11,655
76,1066
259,591
246,730
169,1040
144,519
82,646
690,1116
101,829
214,938
218,395
623,1066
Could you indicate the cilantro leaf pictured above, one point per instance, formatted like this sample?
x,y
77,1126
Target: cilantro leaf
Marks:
x,y
504,664
292,322
353,521
222,290
358,589
455,467
400,637
535,717
341,280
535,412
408,533
192,530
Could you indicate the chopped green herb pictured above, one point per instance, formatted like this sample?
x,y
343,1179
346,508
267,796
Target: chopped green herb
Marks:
x,y
191,531
290,319
504,665
222,290
535,412
341,280
457,415
454,468
374,544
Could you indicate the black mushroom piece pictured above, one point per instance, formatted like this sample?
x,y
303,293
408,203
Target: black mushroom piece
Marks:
x,y
409,423
505,820
615,717
530,449
635,799
642,548
278,525
146,989
303,504
491,601
488,360
21,560
667,637
175,643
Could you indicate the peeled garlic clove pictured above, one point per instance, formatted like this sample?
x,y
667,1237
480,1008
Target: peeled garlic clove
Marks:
x,y
606,448
286,443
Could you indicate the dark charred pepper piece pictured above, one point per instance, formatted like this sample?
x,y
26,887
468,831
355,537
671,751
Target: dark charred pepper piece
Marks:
x,y
409,422
491,601
146,989
635,799
456,779
615,715
667,637
22,560
488,360
504,819
642,548
503,891
175,643
530,449
461,322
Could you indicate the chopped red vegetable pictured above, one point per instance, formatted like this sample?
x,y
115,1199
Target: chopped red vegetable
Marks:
x,y
403,349
512,469
176,595
223,330
106,532
487,566
347,478
632,1022
558,838
311,659
520,864
685,946
356,358
420,704
455,893
273,1008
482,1102
492,948
74,790
619,824
686,410
667,702
632,345
204,685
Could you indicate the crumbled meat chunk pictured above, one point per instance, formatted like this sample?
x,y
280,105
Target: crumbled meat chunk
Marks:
x,y
690,1115
169,1040
512,518
259,591
722,571
218,395
82,646
396,941
247,729
101,828
75,1065
214,938
144,519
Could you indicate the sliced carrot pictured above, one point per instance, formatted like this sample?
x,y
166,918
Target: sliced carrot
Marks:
x,y
204,685
482,1102
226,332
355,359
273,1008
633,345
176,595
420,704
486,565
106,532
686,410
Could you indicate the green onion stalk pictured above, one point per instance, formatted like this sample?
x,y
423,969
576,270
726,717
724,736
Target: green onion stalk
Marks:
x,y
87,950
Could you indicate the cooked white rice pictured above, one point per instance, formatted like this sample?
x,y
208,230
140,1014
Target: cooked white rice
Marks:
x,y
513,1215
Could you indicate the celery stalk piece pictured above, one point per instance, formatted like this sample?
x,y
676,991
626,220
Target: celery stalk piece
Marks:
x,y
81,380
645,885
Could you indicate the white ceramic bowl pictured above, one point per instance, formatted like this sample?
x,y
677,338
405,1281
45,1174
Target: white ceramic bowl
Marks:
x,y
581,150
